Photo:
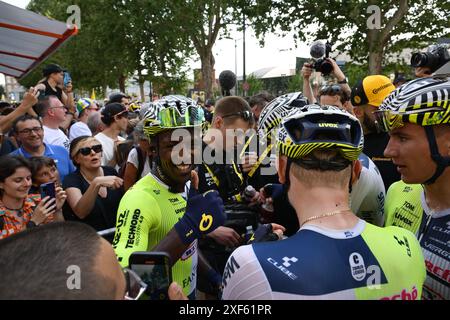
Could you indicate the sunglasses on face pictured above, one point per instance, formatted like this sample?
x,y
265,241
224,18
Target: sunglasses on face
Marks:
x,y
246,115
87,150
122,114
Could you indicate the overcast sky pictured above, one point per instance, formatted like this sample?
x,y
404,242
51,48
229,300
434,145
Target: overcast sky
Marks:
x,y
278,51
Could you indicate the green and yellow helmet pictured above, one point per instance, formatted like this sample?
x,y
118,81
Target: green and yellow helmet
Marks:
x,y
315,127
424,101
172,112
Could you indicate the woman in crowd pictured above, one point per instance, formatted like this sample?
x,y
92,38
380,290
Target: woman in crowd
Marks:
x,y
18,209
93,191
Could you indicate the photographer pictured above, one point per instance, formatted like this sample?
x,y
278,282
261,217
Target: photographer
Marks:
x,y
57,83
337,73
231,114
425,64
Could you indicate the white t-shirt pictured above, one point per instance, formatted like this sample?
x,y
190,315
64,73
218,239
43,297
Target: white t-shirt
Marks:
x,y
79,129
108,147
134,160
56,137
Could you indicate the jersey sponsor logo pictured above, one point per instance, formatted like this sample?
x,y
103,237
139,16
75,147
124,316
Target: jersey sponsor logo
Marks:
x,y
180,210
281,267
404,242
189,251
135,219
287,261
438,271
157,192
357,267
403,219
442,230
173,200
231,267
187,281
121,220
404,295
206,222
348,234
407,189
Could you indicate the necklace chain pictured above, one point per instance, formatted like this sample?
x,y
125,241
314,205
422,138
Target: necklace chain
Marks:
x,y
325,215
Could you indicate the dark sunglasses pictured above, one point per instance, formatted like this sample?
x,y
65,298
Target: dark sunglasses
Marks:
x,y
87,150
246,115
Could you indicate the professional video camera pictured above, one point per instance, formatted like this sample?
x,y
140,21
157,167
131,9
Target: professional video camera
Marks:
x,y
435,57
320,52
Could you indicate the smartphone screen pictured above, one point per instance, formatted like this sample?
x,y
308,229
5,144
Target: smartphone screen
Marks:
x,y
155,270
67,78
48,189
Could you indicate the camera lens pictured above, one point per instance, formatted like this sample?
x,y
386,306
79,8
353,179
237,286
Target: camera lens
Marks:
x,y
419,59
326,67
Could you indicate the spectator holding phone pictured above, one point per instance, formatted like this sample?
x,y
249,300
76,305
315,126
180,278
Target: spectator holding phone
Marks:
x,y
43,170
18,209
93,191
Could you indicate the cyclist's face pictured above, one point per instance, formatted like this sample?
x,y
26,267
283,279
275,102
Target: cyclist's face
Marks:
x,y
171,149
408,147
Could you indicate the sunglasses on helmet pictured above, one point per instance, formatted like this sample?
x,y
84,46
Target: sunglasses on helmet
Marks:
x,y
246,115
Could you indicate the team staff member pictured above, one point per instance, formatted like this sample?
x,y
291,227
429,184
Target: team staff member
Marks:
x,y
417,116
367,95
157,202
334,255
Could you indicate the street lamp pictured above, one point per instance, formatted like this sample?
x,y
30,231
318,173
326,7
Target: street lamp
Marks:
x,y
235,63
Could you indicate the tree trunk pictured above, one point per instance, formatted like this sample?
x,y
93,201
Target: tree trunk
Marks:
x,y
207,60
141,81
122,79
375,60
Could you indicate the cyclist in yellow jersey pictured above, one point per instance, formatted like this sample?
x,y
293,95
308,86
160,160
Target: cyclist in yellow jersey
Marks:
x,y
335,254
417,117
160,202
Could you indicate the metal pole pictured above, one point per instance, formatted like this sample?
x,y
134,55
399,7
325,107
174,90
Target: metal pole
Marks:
x,y
244,78
235,66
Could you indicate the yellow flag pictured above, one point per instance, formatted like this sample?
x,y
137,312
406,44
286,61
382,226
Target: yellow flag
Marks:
x,y
93,94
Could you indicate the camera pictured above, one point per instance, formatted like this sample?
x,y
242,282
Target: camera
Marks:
x,y
435,57
320,52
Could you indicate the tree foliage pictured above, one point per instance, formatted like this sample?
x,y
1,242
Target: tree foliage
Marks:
x,y
404,24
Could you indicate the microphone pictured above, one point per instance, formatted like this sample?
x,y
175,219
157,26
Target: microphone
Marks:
x,y
227,80
317,49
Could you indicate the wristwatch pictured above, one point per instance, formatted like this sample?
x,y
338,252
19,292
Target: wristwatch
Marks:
x,y
343,81
31,224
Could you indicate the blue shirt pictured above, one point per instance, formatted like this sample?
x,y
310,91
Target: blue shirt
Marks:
x,y
57,153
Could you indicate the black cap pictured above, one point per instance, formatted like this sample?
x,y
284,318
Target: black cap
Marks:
x,y
117,97
111,109
51,68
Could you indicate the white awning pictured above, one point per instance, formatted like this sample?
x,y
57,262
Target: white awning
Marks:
x,y
27,39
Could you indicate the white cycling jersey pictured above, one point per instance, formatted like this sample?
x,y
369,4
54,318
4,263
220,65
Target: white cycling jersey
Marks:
x,y
368,193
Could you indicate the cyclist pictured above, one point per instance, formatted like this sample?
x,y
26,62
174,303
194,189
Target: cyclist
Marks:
x,y
367,192
157,203
334,255
417,116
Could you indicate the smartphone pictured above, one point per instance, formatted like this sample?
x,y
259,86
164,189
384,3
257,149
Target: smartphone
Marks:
x,y
67,78
48,189
155,270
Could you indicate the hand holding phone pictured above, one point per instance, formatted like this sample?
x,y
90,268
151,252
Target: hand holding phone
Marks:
x,y
154,268
48,189
67,78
